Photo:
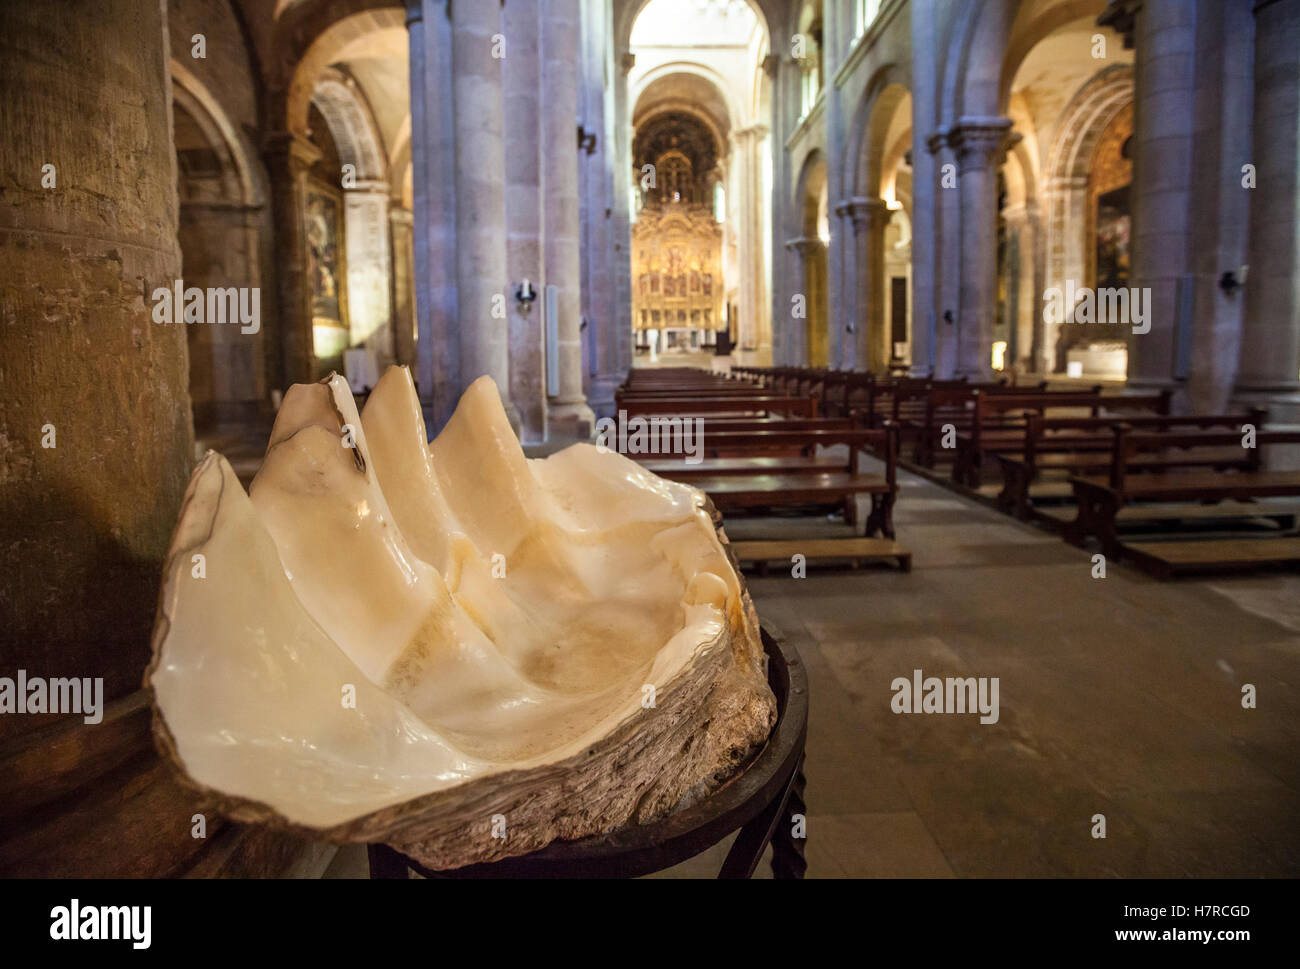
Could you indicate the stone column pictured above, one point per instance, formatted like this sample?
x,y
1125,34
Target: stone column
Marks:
x,y
947,254
622,216
752,301
1025,305
370,269
95,431
433,166
482,283
787,271
1164,136
980,145
568,413
288,158
795,341
403,294
524,220
608,317
925,188
1270,351
870,218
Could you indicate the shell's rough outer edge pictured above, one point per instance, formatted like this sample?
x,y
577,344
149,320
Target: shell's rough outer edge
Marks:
x,y
708,722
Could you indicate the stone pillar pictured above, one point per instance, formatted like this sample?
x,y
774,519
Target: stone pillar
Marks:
x,y
622,216
794,344
568,412
1270,351
1024,303
523,219
95,431
980,145
755,329
947,254
370,269
608,318
433,164
925,189
1164,138
482,282
787,271
403,294
288,158
870,218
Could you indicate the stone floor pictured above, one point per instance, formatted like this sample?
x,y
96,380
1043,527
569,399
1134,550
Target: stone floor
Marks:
x,y
1118,696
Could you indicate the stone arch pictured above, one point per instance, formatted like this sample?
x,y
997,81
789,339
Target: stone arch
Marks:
x,y
626,13
1065,182
352,125
646,102
220,232
194,97
320,37
1027,36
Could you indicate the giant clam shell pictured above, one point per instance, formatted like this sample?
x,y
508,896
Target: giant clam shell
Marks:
x,y
448,647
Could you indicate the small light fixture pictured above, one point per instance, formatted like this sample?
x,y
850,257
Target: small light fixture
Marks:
x,y
525,295
1232,281
586,140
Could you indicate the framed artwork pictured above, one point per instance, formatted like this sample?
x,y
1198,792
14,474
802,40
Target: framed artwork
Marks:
x,y
1113,228
324,269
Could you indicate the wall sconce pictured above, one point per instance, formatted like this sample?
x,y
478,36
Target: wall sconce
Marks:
x,y
586,140
1231,281
525,295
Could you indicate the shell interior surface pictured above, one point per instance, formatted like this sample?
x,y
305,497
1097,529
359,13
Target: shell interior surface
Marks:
x,y
379,618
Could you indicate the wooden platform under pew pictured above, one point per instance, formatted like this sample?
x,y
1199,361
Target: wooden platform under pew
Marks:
x,y
762,551
1168,559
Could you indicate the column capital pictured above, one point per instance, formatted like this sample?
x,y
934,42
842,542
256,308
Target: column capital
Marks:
x,y
1121,17
939,140
627,61
867,214
368,186
1021,213
804,245
771,63
754,131
291,151
981,142
400,215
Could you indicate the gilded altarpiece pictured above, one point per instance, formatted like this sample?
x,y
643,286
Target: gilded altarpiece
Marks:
x,y
677,268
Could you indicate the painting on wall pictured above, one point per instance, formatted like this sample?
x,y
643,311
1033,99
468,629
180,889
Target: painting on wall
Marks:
x,y
1113,228
323,263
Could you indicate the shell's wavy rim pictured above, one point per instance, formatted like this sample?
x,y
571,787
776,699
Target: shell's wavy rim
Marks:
x,y
716,679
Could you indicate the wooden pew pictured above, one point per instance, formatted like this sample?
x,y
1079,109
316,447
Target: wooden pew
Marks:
x,y
1101,498
1082,445
762,405
923,413
800,484
999,421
